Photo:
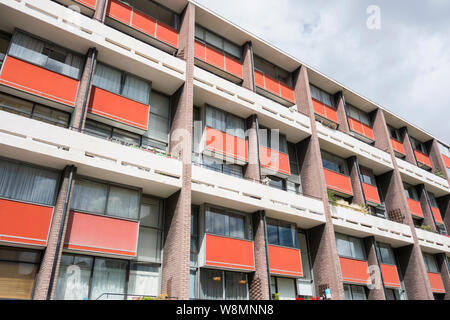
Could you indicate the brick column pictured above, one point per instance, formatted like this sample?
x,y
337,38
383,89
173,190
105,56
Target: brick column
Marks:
x,y
84,89
100,10
353,167
410,257
248,67
341,113
252,169
410,157
382,137
426,207
372,260
260,279
325,259
176,258
436,159
442,262
45,270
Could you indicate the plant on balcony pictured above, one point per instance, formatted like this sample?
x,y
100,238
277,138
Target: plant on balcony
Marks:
x,y
160,297
332,197
427,228
353,206
276,296
439,173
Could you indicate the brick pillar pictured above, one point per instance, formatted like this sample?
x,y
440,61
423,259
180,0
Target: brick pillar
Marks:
x,y
176,258
260,279
84,90
410,157
341,113
325,259
410,257
442,262
380,131
377,293
45,270
248,73
436,159
426,207
353,167
252,170
100,10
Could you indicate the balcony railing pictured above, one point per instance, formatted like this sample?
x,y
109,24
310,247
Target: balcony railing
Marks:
x,y
275,87
371,193
398,147
275,162
128,296
325,111
285,261
354,271
390,276
422,158
437,215
338,182
436,283
446,161
415,208
361,128
226,145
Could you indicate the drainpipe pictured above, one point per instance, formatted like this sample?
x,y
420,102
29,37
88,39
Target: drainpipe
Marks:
x,y
263,214
94,53
61,230
257,139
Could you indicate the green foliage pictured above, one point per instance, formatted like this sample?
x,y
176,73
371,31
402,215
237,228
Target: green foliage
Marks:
x,y
332,197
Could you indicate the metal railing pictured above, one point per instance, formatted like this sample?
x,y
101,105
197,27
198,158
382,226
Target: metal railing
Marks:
x,y
126,296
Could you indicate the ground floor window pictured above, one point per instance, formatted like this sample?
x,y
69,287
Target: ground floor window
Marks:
x,y
18,269
353,292
92,278
393,294
223,285
283,288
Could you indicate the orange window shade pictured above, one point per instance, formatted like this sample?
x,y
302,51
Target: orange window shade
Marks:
x,y
331,114
229,253
319,108
285,261
436,283
200,51
371,193
422,158
354,271
368,132
259,79
415,208
338,182
233,66
101,234
118,108
446,161
167,34
88,3
437,215
143,23
39,81
287,92
119,11
226,145
275,161
390,276
215,58
397,146
272,85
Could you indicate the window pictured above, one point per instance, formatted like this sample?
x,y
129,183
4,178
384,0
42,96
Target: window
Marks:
x,y
411,192
4,44
28,183
385,253
349,247
156,10
150,230
101,198
357,114
194,235
433,200
18,269
444,150
46,55
334,163
223,285
419,146
273,71
305,285
395,133
353,292
293,182
35,111
144,279
228,223
121,83
273,139
285,287
218,165
392,294
282,233
367,176
218,42
322,96
430,263
225,122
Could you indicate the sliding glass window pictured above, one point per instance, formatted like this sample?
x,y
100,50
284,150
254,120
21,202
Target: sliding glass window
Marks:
x,y
223,285
218,42
349,247
281,233
321,96
228,223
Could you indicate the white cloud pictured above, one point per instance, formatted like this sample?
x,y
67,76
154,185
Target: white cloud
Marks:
x,y
404,66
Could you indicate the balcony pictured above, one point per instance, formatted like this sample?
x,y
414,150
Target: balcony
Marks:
x,y
390,276
362,130
218,62
101,235
274,162
120,109
415,208
437,286
142,24
209,186
437,215
225,146
227,253
86,6
422,159
326,112
354,271
273,88
24,223
37,142
38,81
285,261
433,242
371,193
398,148
356,223
338,182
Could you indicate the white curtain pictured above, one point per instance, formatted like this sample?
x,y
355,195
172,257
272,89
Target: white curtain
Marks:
x,y
235,126
149,245
216,119
123,203
107,78
235,286
211,284
144,280
72,66
89,196
25,183
136,89
27,48
73,278
109,277
159,117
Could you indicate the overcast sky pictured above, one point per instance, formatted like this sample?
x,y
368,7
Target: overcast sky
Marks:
x,y
404,66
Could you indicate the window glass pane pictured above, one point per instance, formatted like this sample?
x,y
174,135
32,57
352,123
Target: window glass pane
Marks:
x,y
149,245
386,253
73,278
109,277
150,215
89,196
232,49
358,293
136,89
211,284
237,227
52,116
305,257
25,183
331,166
286,288
232,170
343,246
214,40
126,137
19,255
123,203
17,280
143,280
272,233
97,129
199,32
235,126
27,48
347,292
107,78
193,284
321,96
356,247
286,235
216,119
235,286
15,105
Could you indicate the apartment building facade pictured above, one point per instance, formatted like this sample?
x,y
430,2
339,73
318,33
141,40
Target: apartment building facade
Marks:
x,y
152,148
